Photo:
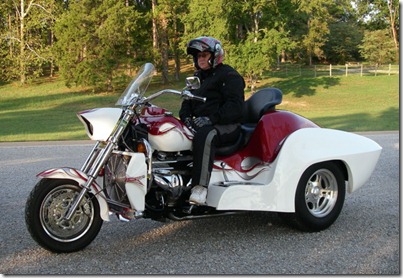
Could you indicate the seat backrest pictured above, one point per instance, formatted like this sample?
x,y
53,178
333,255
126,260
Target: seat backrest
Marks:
x,y
260,102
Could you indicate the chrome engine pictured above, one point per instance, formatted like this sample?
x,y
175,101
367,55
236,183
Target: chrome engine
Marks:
x,y
171,183
167,180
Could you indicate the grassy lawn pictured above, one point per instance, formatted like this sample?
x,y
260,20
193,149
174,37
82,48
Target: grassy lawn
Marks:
x,y
47,110
353,103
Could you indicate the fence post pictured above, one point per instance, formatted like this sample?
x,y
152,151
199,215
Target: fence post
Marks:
x,y
314,69
330,70
346,69
361,69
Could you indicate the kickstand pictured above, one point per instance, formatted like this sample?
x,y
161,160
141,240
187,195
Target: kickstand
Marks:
x,y
189,211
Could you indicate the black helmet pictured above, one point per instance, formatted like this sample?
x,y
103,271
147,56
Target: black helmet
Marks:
x,y
209,44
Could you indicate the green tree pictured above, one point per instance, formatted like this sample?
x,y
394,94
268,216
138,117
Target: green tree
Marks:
x,y
342,42
167,33
345,34
253,56
93,41
160,38
377,47
206,18
261,36
7,46
317,17
380,15
24,41
176,9
99,42
393,8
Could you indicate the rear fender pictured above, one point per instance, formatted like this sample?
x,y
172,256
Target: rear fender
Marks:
x,y
309,146
276,186
81,178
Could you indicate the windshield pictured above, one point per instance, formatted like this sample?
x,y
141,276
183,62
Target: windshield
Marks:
x,y
137,86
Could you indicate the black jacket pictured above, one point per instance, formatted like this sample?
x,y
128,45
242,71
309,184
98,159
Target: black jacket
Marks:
x,y
223,88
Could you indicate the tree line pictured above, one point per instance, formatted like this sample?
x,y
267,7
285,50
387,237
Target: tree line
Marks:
x,y
102,42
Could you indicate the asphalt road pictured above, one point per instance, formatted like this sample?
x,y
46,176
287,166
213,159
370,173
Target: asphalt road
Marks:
x,y
364,240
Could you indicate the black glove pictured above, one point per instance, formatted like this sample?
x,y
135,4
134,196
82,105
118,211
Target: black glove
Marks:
x,y
202,121
188,122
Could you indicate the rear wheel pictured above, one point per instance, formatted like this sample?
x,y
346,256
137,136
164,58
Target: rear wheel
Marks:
x,y
319,198
44,216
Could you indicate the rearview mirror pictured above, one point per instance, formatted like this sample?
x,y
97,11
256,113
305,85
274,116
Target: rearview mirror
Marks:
x,y
192,83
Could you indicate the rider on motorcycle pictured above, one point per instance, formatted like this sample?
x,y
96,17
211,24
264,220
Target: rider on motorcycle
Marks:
x,y
216,121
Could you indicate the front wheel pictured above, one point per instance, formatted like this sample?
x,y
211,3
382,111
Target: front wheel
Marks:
x,y
319,198
44,216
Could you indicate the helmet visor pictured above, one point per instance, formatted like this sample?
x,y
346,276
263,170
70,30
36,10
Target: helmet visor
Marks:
x,y
197,45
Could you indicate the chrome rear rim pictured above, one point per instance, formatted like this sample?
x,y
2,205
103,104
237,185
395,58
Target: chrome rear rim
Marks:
x,y
321,193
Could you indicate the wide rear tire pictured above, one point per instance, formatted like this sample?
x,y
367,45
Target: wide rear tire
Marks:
x,y
319,198
44,211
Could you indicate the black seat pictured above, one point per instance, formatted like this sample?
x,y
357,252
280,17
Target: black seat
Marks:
x,y
254,108
259,103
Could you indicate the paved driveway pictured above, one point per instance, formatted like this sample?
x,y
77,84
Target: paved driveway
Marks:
x,y
364,240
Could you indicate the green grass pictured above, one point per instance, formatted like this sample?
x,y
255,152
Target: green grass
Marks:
x,y
47,110
353,103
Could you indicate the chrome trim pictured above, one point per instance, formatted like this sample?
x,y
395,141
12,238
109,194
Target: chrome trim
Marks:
x,y
172,216
230,183
149,161
90,158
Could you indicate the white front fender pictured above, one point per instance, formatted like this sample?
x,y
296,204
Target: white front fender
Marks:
x,y
81,178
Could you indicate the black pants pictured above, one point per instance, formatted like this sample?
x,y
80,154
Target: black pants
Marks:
x,y
205,142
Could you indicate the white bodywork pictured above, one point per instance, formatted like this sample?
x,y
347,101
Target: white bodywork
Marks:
x,y
81,178
276,183
136,183
172,139
266,187
102,120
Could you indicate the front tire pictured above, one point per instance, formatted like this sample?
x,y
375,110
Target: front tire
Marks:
x,y
45,209
319,198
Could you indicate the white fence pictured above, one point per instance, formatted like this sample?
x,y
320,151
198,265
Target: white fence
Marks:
x,y
289,70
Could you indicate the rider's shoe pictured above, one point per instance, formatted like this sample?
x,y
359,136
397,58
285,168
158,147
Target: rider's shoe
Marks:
x,y
198,196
